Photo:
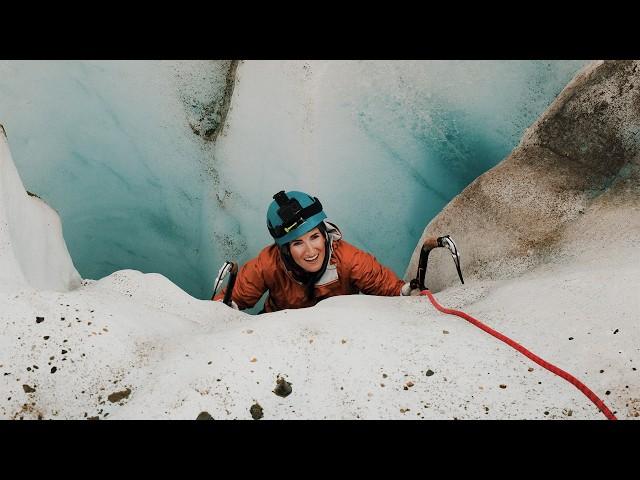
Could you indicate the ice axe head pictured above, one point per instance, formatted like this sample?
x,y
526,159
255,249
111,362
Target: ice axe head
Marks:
x,y
230,269
444,241
451,246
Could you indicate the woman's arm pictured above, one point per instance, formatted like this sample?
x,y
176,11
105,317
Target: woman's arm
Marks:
x,y
371,277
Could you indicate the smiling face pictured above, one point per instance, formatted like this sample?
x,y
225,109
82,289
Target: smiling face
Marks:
x,y
308,251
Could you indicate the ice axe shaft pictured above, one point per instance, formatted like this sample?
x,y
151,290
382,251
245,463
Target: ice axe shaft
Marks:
x,y
232,281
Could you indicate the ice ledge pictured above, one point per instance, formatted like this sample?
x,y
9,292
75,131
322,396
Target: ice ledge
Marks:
x,y
32,248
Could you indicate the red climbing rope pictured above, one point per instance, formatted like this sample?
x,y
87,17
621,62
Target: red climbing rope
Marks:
x,y
552,368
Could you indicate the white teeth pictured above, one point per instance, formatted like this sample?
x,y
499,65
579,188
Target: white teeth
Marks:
x,y
311,259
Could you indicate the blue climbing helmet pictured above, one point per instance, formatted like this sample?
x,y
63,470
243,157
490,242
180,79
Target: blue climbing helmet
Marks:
x,y
293,214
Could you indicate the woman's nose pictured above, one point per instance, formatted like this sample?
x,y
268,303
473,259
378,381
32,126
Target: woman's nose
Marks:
x,y
309,248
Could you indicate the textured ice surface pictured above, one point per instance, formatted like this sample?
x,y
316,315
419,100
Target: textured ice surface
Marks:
x,y
124,150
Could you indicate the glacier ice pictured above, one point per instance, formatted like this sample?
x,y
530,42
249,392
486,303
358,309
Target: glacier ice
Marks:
x,y
359,357
134,158
32,250
111,146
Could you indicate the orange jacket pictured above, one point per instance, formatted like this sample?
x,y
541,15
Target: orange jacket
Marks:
x,y
348,272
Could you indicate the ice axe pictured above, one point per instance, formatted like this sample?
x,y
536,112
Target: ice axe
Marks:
x,y
231,269
444,241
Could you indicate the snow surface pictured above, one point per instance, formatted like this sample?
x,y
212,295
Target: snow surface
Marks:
x,y
134,345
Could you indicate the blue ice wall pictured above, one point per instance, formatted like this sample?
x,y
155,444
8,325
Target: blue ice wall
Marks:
x,y
442,124
119,150
384,145
108,144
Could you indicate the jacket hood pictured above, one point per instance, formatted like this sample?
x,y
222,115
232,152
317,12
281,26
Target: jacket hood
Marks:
x,y
334,232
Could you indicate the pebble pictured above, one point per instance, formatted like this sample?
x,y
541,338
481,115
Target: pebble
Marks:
x,y
256,411
283,388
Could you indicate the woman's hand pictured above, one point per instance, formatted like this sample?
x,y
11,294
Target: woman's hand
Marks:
x,y
233,305
431,243
410,289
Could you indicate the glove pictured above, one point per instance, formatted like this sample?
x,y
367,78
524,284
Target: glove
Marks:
x,y
432,242
233,305
410,289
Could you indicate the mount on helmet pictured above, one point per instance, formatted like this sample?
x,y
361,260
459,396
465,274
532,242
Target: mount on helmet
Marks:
x,y
293,214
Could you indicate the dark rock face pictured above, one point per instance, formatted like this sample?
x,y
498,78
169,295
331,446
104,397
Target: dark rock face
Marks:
x,y
207,110
586,144
590,122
